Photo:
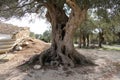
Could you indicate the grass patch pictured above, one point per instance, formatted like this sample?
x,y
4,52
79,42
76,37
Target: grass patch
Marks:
x,y
107,47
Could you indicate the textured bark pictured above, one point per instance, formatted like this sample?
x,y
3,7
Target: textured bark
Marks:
x,y
101,39
62,51
84,40
80,40
88,40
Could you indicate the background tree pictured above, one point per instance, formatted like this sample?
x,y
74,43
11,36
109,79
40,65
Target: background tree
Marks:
x,y
46,36
32,34
107,29
64,25
84,32
115,27
37,36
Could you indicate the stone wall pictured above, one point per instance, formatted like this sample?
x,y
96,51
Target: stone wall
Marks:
x,y
17,33
5,36
12,36
23,33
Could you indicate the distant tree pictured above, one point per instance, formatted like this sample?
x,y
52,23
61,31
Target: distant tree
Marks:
x,y
85,31
115,27
37,36
32,34
107,29
46,36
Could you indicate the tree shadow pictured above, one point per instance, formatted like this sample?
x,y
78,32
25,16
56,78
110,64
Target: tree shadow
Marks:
x,y
3,61
2,77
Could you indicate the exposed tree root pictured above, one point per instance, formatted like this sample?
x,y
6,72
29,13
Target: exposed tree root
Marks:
x,y
50,59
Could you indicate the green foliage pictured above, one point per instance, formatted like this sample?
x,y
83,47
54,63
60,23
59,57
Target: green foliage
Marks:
x,y
111,47
37,36
32,34
46,36
102,20
9,8
107,13
86,28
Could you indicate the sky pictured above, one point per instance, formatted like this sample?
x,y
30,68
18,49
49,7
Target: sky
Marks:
x,y
37,25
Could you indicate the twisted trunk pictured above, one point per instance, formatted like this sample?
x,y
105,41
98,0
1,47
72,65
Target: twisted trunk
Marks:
x,y
62,51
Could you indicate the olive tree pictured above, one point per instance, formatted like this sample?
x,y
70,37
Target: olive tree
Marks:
x,y
65,17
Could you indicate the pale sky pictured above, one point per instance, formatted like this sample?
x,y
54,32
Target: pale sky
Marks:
x,y
37,25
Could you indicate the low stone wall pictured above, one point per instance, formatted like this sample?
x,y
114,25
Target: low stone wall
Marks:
x,y
23,33
6,45
14,33
5,36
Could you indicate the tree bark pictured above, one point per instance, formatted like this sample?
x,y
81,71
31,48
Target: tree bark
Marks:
x,y
80,40
88,40
101,39
62,51
84,40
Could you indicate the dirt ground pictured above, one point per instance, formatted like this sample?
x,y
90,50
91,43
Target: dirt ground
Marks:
x,y
108,65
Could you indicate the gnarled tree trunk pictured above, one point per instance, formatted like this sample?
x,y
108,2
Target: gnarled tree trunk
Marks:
x,y
62,51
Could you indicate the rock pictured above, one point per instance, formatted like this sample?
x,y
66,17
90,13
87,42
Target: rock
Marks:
x,y
37,67
25,43
18,48
42,70
54,63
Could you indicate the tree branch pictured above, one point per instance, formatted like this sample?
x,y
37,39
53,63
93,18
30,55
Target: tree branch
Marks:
x,y
17,7
77,15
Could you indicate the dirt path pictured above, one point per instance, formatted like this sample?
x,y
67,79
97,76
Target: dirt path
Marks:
x,y
9,61
108,69
111,55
